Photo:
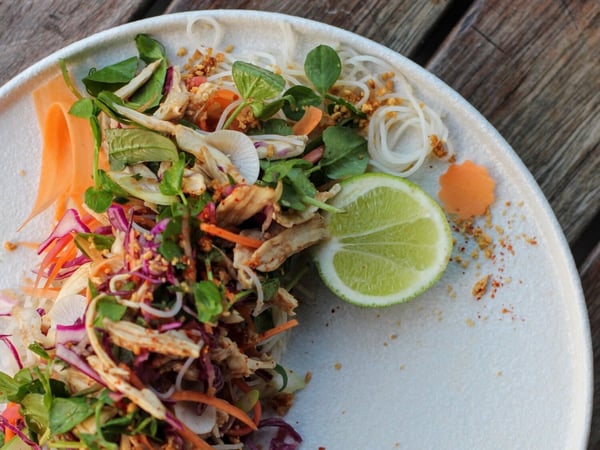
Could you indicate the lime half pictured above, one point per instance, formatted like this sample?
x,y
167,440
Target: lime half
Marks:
x,y
391,243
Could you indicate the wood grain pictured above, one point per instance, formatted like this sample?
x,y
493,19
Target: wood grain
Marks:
x,y
390,23
533,72
33,29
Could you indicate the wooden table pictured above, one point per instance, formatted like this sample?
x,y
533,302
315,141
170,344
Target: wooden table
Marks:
x,y
532,68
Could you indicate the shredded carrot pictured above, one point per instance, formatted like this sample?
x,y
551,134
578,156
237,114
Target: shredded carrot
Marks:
x,y
466,190
12,415
309,121
68,253
220,404
276,330
51,256
67,153
230,236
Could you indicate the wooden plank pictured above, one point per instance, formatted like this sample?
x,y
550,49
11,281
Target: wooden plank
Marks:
x,y
390,23
57,24
533,71
590,277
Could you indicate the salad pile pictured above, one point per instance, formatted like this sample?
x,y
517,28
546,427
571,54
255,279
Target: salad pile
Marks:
x,y
158,315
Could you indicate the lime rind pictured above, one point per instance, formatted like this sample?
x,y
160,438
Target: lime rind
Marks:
x,y
392,243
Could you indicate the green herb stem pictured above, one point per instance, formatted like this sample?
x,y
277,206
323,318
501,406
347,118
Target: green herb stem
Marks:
x,y
321,205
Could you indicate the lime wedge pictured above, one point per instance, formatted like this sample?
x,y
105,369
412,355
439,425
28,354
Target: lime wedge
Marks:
x,y
391,243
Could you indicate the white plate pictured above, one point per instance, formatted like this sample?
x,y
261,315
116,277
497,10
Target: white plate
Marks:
x,y
512,370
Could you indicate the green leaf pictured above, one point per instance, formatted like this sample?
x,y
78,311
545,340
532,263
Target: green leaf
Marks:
x,y
345,153
149,49
150,94
322,67
262,110
84,108
270,287
297,98
173,178
299,179
98,199
99,241
37,348
35,412
108,307
276,170
255,83
112,77
128,146
169,247
275,126
207,297
65,413
8,388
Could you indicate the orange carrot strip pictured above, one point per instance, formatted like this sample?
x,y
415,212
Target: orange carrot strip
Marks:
x,y
220,404
56,168
311,118
230,236
276,330
67,152
12,414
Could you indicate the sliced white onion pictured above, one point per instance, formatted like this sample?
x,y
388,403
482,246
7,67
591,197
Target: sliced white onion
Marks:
x,y
67,310
240,150
187,413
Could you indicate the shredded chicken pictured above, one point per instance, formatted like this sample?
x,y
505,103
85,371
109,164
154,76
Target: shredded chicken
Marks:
x,y
238,363
244,202
176,101
134,337
273,252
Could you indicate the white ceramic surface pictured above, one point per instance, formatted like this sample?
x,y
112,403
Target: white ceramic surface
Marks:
x,y
446,371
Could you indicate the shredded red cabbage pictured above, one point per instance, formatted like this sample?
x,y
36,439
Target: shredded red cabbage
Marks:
x,y
74,360
117,218
12,348
70,333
